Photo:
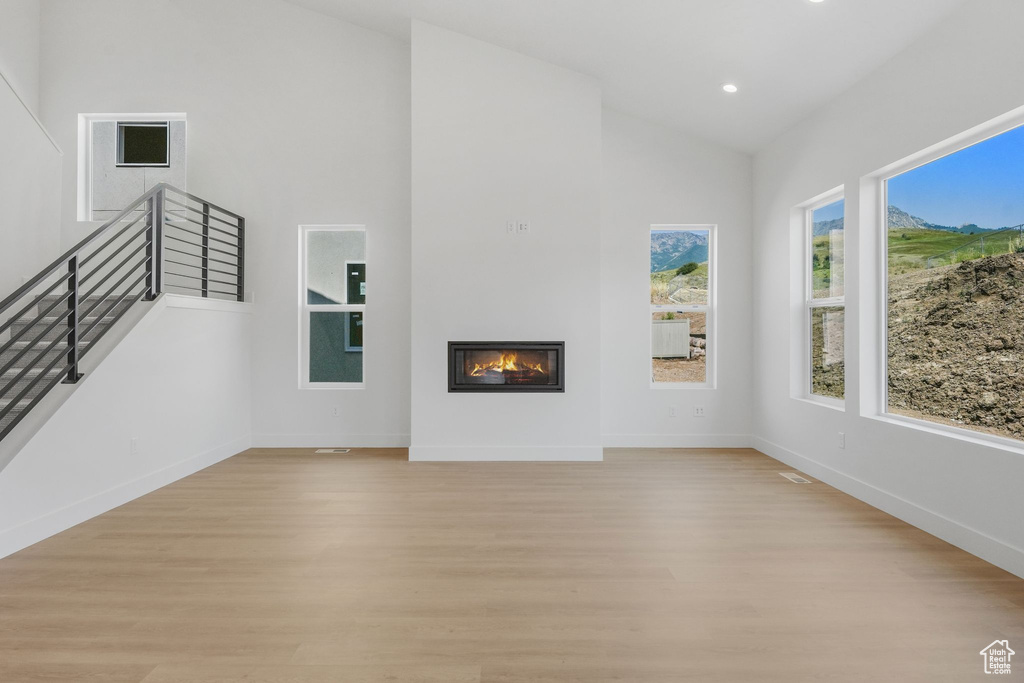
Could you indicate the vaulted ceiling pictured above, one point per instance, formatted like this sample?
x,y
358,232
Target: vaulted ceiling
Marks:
x,y
666,60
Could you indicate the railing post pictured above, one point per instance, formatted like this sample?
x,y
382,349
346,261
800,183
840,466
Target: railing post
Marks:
x,y
158,241
206,253
241,259
151,288
73,375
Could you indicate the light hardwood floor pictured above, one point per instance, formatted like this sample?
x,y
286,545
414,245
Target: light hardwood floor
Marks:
x,y
666,565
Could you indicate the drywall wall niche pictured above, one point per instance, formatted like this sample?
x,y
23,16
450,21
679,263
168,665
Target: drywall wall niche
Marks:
x,y
105,184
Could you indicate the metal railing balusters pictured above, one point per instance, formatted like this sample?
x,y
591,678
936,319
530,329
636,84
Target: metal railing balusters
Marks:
x,y
52,321
241,259
199,246
204,236
206,244
73,375
151,290
158,241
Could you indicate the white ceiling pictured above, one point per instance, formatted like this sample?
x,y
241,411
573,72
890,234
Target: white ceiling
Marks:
x,y
665,60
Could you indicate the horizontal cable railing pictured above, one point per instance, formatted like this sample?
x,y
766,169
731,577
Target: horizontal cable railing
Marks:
x,y
166,241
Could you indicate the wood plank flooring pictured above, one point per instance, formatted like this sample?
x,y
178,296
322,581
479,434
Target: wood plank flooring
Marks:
x,y
663,565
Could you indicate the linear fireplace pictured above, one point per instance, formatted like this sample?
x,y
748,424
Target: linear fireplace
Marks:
x,y
506,366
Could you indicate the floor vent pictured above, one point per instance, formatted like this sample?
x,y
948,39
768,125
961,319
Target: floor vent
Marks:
x,y
333,450
795,478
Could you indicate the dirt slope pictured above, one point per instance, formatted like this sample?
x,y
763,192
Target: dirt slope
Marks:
x,y
954,344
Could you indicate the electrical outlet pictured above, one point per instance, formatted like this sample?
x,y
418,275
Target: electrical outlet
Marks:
x,y
842,440
524,227
336,411
671,411
134,446
510,227
698,411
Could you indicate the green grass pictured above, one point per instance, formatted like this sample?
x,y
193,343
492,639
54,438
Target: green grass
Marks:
x,y
825,269
666,275
660,287
910,249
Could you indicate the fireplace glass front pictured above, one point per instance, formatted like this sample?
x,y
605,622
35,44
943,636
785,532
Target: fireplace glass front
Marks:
x,y
506,366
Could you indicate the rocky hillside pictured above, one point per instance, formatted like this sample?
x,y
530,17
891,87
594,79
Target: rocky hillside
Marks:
x,y
673,248
955,344
898,219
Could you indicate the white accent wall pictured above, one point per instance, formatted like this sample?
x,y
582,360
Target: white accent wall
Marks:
x,y
29,161
293,118
178,384
19,47
962,74
656,175
499,136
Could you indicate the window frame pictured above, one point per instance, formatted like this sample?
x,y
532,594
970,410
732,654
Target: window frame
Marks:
x,y
710,309
305,308
876,185
810,303
119,143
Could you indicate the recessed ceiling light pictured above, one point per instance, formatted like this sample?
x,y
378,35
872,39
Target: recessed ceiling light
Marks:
x,y
817,0
729,87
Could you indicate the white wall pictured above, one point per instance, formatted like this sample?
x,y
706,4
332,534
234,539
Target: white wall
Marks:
x,y
962,74
29,161
178,383
499,136
655,175
19,47
294,118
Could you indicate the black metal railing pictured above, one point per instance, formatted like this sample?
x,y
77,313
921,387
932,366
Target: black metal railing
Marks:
x,y
166,241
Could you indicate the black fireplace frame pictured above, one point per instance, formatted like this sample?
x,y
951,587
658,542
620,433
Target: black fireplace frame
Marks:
x,y
454,346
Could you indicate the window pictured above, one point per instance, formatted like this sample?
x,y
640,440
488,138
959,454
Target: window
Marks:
x,y
142,143
826,301
955,284
333,305
682,304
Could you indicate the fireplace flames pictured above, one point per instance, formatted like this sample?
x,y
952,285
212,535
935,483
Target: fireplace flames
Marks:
x,y
509,365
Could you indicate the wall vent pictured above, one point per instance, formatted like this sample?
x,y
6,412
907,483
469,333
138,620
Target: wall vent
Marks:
x,y
795,478
333,450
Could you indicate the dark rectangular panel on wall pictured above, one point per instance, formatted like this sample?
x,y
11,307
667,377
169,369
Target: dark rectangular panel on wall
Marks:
x,y
506,366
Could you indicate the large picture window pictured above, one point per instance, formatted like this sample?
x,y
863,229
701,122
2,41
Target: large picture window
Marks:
x,y
826,298
955,285
682,304
333,305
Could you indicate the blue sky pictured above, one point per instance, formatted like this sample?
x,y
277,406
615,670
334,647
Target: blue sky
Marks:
x,y
982,184
827,213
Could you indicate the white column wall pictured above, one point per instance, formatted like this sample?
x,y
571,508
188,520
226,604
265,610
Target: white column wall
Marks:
x,y
499,136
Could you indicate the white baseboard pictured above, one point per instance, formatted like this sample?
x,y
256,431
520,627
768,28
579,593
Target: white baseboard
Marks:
x,y
676,440
33,531
332,440
973,541
506,454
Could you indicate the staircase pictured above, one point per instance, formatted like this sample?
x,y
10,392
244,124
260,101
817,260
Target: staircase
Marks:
x,y
166,241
